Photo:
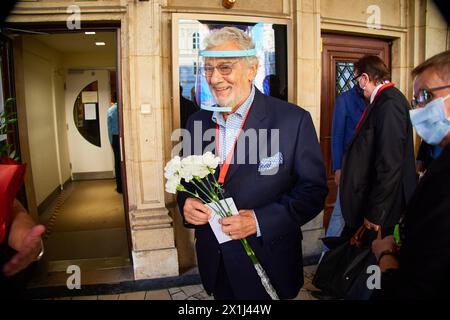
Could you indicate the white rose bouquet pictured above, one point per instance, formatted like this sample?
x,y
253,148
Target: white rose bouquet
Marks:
x,y
199,171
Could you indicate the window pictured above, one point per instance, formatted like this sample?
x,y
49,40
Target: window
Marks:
x,y
271,45
344,76
195,40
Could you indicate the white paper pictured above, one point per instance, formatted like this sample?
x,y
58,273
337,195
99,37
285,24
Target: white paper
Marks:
x,y
89,97
214,221
90,112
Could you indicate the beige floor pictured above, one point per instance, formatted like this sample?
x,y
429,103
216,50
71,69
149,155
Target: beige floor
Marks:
x,y
86,227
92,205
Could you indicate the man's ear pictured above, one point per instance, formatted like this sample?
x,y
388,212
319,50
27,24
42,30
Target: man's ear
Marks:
x,y
252,72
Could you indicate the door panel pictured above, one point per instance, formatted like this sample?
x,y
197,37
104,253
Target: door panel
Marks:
x,y
338,56
84,155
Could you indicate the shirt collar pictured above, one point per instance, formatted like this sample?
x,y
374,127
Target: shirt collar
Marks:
x,y
375,91
217,117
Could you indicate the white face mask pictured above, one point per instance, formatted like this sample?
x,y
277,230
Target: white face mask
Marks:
x,y
430,121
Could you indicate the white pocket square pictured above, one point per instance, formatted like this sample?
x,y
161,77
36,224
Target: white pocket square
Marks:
x,y
270,163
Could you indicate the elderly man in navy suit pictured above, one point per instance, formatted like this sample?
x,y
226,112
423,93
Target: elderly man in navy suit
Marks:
x,y
277,187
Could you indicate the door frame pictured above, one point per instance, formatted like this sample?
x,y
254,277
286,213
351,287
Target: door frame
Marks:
x,y
176,17
40,28
8,87
338,47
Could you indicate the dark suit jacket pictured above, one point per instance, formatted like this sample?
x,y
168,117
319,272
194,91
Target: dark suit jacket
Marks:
x,y
425,252
282,202
378,175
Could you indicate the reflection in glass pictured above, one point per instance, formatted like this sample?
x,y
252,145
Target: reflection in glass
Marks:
x,y
86,114
270,42
195,40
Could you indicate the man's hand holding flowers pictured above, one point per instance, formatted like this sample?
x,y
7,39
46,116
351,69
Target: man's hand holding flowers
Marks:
x,y
239,226
195,212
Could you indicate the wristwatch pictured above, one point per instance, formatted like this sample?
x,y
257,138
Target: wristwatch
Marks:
x,y
41,254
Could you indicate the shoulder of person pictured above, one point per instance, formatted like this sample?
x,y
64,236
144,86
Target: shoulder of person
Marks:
x,y
392,97
283,108
200,115
392,93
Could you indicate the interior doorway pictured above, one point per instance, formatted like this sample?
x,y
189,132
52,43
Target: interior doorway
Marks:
x,y
339,53
68,83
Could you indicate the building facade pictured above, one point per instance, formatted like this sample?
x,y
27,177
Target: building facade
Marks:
x,y
149,51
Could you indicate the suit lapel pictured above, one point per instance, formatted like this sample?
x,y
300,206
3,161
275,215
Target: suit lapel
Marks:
x,y
255,121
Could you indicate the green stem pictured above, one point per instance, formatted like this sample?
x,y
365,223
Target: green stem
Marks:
x,y
221,192
213,195
249,251
216,198
212,200
198,187
194,195
211,186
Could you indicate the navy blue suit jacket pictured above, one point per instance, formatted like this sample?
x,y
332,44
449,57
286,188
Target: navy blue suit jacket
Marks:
x,y
348,109
282,202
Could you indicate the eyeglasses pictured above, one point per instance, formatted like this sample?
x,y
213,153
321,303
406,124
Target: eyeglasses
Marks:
x,y
355,78
223,68
425,96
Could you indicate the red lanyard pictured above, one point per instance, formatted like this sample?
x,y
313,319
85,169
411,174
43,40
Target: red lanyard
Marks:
x,y
223,170
384,86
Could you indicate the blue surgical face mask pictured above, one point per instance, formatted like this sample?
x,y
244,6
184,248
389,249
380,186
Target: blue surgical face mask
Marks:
x,y
430,121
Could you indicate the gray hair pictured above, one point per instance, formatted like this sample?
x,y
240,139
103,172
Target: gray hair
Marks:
x,y
231,34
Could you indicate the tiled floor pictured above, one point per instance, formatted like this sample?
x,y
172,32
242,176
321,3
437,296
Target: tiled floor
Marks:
x,y
192,292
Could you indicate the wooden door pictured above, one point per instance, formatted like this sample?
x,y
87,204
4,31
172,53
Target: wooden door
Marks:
x,y
339,53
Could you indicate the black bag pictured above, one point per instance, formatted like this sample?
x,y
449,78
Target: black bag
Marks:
x,y
342,272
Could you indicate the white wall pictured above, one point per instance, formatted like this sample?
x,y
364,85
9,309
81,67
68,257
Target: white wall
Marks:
x,y
45,98
84,156
61,132
45,107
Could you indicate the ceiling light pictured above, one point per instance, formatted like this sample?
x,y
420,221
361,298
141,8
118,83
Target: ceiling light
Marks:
x,y
89,32
100,43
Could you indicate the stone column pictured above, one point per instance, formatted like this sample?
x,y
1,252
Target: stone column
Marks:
x,y
154,253
308,72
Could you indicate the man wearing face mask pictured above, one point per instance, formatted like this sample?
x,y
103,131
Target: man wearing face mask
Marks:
x,y
378,172
419,268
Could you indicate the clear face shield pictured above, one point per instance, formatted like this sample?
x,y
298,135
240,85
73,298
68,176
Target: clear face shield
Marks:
x,y
210,63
